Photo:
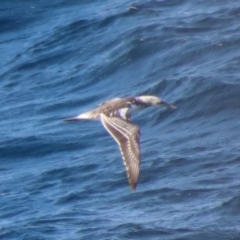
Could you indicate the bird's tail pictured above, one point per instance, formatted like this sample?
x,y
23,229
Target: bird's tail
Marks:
x,y
80,117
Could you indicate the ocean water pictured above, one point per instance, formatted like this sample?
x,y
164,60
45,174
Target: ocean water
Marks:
x,y
63,180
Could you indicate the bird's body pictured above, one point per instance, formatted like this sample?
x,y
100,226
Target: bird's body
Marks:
x,y
115,116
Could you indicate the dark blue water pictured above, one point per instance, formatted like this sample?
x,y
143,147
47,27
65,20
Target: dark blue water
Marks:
x,y
67,181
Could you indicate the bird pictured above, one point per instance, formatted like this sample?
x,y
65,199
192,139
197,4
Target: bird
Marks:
x,y
115,116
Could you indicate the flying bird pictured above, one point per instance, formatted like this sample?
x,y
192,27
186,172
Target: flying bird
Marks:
x,y
115,116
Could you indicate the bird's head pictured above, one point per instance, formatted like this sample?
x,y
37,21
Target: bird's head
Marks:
x,y
154,101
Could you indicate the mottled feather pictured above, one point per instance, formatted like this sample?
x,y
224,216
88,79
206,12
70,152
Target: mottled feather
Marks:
x,y
127,136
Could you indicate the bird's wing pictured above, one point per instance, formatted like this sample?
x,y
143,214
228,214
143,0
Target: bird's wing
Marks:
x,y
114,99
127,135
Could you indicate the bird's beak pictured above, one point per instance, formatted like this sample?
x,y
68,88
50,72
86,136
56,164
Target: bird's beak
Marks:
x,y
168,105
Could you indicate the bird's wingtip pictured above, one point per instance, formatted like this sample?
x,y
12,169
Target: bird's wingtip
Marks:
x,y
133,186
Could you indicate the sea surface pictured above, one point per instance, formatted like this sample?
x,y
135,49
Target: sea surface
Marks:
x,y
67,181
